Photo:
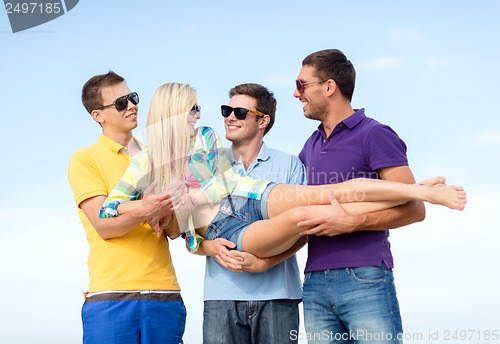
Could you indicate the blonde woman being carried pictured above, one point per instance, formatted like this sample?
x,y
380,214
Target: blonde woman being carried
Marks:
x,y
261,217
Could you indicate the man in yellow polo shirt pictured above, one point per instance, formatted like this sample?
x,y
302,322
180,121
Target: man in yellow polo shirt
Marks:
x,y
133,294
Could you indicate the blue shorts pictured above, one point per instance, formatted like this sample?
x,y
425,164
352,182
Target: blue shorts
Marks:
x,y
235,214
145,317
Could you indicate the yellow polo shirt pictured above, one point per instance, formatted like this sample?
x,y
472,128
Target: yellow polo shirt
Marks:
x,y
138,260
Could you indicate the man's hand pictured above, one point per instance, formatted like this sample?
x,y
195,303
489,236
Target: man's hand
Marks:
x,y
238,261
158,222
161,205
166,225
335,222
219,248
214,247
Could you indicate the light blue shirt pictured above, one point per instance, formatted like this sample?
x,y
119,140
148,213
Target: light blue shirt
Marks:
x,y
281,281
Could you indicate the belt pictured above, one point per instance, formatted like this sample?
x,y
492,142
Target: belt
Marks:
x,y
143,295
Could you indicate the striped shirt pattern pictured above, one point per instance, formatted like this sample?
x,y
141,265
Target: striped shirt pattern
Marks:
x,y
208,163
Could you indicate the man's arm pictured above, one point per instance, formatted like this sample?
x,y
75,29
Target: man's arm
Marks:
x,y
398,216
107,228
251,263
381,220
247,261
213,247
238,261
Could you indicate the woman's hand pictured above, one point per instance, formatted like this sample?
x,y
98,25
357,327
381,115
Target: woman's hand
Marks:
x,y
183,208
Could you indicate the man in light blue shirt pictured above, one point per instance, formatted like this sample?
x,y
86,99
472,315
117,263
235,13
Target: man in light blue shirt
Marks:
x,y
247,299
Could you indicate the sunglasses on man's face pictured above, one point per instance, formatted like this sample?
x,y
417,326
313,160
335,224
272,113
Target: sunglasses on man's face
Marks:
x,y
121,103
300,85
239,113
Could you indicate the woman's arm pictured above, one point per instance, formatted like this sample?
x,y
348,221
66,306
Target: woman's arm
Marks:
x,y
128,206
108,228
130,187
211,167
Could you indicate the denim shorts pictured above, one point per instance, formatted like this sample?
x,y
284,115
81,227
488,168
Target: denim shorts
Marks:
x,y
235,214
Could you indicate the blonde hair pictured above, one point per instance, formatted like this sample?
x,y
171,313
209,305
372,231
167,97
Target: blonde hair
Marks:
x,y
168,132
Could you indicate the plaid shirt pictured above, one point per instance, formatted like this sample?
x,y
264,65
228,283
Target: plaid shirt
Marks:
x,y
209,165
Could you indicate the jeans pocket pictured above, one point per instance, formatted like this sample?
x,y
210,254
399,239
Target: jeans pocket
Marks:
x,y
307,275
240,208
368,274
211,232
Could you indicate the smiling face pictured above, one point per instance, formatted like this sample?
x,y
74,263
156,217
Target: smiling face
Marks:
x,y
314,101
113,120
238,131
192,118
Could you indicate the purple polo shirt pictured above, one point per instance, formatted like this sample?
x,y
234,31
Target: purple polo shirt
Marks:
x,y
356,148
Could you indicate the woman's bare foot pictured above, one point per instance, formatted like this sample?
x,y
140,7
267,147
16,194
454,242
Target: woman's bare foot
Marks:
x,y
452,196
433,181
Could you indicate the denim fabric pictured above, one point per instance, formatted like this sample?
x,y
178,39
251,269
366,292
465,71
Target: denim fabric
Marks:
x,y
282,281
351,305
235,214
133,322
246,322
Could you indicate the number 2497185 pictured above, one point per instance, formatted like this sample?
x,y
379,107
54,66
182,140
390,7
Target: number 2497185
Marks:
x,y
33,7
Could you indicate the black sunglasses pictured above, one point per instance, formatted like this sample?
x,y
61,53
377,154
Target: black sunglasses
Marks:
x,y
195,109
300,85
239,113
121,103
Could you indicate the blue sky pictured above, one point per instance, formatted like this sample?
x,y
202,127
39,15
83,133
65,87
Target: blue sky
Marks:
x,y
428,69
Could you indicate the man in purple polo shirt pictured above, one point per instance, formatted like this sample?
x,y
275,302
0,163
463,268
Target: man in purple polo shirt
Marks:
x,y
349,294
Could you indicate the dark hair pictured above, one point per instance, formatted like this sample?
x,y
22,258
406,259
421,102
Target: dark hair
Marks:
x,y
91,91
332,64
266,102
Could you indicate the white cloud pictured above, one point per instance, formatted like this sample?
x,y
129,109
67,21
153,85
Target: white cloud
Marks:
x,y
408,35
44,252
437,62
393,62
382,63
284,80
489,137
445,267
452,174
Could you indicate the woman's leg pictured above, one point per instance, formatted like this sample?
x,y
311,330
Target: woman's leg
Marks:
x,y
259,240
356,208
267,238
283,197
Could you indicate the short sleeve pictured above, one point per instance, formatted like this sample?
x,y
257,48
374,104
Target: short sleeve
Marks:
x,y
298,172
130,187
302,156
84,178
384,148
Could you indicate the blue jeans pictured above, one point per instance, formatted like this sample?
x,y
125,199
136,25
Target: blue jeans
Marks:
x,y
134,318
246,322
352,305
235,214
